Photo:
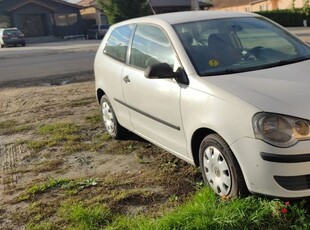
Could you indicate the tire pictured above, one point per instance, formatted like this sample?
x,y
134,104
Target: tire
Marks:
x,y
23,44
2,45
114,129
220,168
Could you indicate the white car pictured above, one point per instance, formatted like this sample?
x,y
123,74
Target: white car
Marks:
x,y
225,91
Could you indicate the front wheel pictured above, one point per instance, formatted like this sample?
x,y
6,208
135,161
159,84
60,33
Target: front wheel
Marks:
x,y
220,168
110,122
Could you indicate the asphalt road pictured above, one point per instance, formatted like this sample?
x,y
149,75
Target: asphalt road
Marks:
x,y
46,60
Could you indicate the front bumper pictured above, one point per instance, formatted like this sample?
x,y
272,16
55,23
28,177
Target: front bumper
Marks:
x,y
272,171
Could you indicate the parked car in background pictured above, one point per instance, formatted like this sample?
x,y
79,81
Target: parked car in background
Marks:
x,y
225,91
96,31
11,36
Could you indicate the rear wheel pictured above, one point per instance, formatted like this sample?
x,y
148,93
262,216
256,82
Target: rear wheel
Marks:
x,y
220,168
110,122
2,45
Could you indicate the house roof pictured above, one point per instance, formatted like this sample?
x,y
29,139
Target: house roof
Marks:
x,y
66,3
21,4
230,3
13,5
87,3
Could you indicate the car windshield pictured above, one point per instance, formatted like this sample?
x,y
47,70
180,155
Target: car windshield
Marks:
x,y
232,45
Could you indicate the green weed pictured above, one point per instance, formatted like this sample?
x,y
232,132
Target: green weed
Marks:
x,y
59,129
207,211
78,216
64,184
95,119
7,124
12,127
82,102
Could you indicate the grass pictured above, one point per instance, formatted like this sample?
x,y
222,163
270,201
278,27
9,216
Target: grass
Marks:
x,y
203,211
64,184
207,211
78,216
10,127
70,136
58,130
95,119
82,102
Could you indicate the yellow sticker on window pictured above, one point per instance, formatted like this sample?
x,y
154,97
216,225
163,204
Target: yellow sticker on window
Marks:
x,y
213,63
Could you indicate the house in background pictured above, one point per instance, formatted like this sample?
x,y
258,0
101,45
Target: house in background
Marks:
x,y
256,5
164,6
40,18
91,13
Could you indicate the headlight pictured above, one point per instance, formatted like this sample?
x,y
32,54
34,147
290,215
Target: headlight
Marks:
x,y
279,130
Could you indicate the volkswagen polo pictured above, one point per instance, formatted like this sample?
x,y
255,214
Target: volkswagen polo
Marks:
x,y
225,91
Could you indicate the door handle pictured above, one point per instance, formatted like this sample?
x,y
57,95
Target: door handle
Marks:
x,y
126,79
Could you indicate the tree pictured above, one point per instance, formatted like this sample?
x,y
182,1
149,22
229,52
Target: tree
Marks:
x,y
119,10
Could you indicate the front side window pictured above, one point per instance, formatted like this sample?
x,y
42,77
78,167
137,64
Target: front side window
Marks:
x,y
117,44
230,45
150,46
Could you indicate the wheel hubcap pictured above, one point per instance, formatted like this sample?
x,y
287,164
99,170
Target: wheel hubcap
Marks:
x,y
108,117
217,171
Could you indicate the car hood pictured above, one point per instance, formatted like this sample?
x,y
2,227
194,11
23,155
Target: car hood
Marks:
x,y
284,89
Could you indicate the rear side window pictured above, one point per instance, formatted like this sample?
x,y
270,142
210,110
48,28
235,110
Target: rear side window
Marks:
x,y
117,43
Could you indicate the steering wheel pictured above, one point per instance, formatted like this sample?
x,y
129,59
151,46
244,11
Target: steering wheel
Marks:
x,y
254,51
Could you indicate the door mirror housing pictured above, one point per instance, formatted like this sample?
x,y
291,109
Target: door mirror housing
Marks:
x,y
159,70
164,71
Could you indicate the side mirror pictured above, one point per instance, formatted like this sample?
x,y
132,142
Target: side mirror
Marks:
x,y
163,70
159,70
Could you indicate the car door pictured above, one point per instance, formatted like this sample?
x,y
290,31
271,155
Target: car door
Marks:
x,y
154,104
110,66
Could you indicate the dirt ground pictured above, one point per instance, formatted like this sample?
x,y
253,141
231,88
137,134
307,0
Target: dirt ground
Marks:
x,y
129,177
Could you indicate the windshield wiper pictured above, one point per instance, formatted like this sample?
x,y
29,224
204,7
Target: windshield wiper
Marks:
x,y
286,62
221,72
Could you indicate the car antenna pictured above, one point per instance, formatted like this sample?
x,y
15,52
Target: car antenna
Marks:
x,y
151,7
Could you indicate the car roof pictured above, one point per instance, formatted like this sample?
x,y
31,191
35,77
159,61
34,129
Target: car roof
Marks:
x,y
14,28
189,16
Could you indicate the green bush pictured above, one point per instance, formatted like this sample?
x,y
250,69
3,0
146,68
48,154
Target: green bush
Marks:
x,y
287,18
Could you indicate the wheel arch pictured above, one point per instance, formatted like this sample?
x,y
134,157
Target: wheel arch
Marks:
x,y
100,93
197,138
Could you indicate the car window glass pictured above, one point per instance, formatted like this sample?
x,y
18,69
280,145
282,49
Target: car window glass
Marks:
x,y
150,46
116,46
11,32
225,46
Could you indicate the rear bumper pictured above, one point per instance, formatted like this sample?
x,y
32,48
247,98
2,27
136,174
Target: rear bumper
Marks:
x,y
14,41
